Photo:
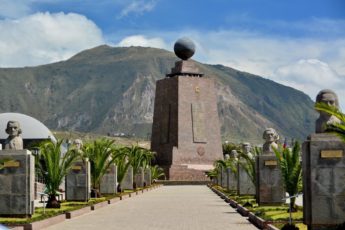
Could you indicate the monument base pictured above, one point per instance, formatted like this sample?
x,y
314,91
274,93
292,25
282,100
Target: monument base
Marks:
x,y
323,181
184,173
17,179
231,180
270,189
245,185
77,184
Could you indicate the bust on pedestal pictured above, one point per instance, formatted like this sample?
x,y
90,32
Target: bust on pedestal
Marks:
x,y
17,175
269,182
323,165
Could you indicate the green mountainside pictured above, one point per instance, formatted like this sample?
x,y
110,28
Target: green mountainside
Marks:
x,y
111,90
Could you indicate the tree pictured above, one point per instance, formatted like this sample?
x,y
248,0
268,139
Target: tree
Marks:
x,y
291,169
53,166
156,172
337,128
100,154
134,156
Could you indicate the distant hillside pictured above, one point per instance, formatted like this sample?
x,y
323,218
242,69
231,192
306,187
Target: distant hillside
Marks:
x,y
111,90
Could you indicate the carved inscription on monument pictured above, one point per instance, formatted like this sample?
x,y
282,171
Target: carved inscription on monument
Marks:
x,y
12,164
198,123
271,163
332,153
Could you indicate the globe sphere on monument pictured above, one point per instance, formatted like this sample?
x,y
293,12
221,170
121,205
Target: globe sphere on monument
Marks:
x,y
184,48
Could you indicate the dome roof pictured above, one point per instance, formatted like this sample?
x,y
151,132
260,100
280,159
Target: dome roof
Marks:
x,y
31,127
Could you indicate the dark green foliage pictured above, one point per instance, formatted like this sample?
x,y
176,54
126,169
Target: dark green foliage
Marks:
x,y
53,166
291,169
157,173
338,129
100,154
249,165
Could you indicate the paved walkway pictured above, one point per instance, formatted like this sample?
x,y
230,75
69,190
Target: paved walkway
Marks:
x,y
166,208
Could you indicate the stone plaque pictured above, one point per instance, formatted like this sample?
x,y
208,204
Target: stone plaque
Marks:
x,y
198,122
332,153
271,163
12,164
76,167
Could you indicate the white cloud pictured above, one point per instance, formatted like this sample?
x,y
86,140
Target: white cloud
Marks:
x,y
14,8
43,38
310,76
138,7
140,40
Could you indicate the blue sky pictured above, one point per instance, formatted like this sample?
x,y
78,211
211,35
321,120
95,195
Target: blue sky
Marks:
x,y
297,43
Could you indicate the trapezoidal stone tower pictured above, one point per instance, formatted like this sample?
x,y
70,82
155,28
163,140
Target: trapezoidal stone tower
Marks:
x,y
185,131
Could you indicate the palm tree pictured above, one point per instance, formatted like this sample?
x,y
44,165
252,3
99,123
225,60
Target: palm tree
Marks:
x,y
53,165
100,155
224,164
134,156
291,169
156,172
337,128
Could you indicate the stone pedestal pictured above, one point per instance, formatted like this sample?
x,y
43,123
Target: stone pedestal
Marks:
x,y
17,180
245,185
231,180
127,182
139,178
77,182
109,181
185,130
224,177
219,179
270,187
323,181
147,177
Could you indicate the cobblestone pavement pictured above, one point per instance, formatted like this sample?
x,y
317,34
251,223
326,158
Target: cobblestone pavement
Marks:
x,y
166,208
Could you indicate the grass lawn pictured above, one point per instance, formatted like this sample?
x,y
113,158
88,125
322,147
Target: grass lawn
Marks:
x,y
66,206
277,213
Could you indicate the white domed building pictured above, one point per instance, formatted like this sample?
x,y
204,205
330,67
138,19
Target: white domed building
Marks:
x,y
32,129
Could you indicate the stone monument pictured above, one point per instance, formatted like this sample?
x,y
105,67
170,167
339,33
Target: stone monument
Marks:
x,y
17,179
109,181
127,182
78,180
139,178
231,176
148,177
323,165
269,181
245,185
185,130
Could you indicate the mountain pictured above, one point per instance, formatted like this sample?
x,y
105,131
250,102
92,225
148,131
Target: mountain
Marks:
x,y
111,90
